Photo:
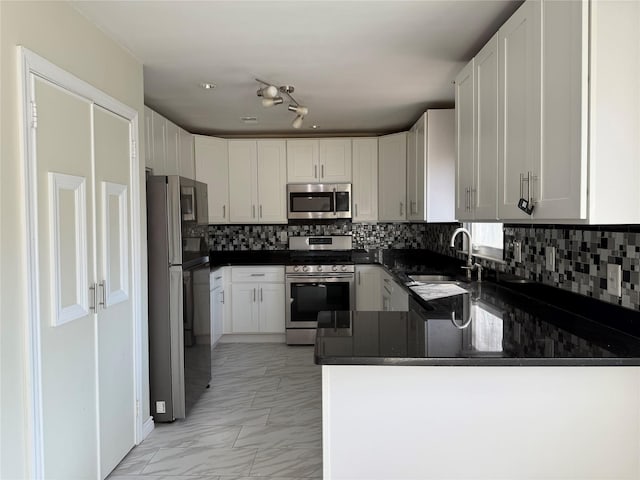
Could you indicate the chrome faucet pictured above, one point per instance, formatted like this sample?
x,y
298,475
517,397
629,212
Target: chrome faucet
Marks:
x,y
470,264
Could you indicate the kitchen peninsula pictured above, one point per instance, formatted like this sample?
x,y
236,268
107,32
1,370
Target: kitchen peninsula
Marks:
x,y
484,385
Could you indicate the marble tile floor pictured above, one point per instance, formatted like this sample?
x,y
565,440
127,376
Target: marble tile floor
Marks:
x,y
260,420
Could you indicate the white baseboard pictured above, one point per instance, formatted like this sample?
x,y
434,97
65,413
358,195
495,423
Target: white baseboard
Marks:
x,y
253,338
147,428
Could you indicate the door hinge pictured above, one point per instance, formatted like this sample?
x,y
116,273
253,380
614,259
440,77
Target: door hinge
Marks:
x,y
34,115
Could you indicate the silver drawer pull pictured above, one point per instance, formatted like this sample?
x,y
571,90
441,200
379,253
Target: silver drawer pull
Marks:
x,y
258,274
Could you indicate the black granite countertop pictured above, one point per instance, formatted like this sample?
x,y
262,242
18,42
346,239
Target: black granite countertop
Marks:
x,y
501,322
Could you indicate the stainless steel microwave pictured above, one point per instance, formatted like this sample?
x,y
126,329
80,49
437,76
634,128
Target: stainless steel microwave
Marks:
x,y
318,201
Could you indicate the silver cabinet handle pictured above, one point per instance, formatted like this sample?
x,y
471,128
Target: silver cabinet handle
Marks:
x,y
322,171
103,285
224,211
356,208
218,278
534,178
260,295
466,199
401,208
222,296
93,292
472,199
260,211
253,211
521,181
359,278
254,294
258,274
315,171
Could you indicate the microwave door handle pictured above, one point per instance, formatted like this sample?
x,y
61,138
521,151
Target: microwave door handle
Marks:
x,y
335,200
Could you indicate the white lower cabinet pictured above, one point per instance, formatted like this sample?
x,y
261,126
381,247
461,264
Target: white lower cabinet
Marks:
x,y
220,305
257,300
368,288
394,297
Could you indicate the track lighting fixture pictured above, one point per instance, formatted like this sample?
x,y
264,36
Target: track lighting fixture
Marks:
x,y
270,96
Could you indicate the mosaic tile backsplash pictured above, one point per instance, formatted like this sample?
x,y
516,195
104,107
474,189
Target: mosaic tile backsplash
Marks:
x,y
582,253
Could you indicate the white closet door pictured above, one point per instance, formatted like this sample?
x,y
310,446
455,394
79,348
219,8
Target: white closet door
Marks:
x,y
66,268
115,313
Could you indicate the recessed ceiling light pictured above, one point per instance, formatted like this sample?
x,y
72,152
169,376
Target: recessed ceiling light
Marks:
x,y
314,126
208,86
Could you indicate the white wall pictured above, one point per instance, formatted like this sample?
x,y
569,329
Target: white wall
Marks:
x,y
57,32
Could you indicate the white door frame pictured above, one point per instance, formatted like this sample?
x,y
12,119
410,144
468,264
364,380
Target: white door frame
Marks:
x,y
30,65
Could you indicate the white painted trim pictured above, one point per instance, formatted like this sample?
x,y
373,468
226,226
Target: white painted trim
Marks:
x,y
119,191
30,65
80,309
147,428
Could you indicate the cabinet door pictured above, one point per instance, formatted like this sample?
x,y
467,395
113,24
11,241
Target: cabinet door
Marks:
x,y
484,196
243,181
465,145
368,288
159,129
212,168
173,141
244,307
392,178
272,300
412,165
561,186
186,164
148,137
438,197
365,180
519,103
302,161
272,181
335,160
422,160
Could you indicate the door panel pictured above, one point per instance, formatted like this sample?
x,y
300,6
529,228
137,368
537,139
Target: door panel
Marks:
x,y
63,148
272,178
115,317
465,148
272,305
242,181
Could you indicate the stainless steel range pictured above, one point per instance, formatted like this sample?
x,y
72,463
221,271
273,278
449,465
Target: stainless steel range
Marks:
x,y
321,278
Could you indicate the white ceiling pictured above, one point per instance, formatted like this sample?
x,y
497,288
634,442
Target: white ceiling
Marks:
x,y
359,66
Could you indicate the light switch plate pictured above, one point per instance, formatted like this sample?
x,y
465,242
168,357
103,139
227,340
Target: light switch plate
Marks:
x,y
517,252
161,407
550,258
614,279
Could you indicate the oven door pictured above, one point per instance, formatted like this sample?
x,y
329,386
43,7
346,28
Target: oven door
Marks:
x,y
307,295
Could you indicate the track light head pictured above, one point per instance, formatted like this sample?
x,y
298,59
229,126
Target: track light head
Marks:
x,y
297,123
299,109
269,102
269,91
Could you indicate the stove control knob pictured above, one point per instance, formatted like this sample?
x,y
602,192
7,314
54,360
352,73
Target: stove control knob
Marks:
x,y
334,268
296,268
344,268
305,268
319,268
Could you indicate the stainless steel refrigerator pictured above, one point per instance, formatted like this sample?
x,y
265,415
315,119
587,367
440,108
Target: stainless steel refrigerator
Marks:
x,y
179,319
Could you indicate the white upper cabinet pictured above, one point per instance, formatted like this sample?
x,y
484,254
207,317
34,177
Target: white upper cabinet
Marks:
x,y
272,180
335,160
212,168
168,148
520,66
465,141
392,177
327,160
477,136
186,162
365,180
257,181
431,167
173,154
569,108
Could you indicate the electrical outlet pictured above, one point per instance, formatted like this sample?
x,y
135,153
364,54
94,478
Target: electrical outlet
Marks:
x,y
283,236
517,251
161,407
614,279
550,258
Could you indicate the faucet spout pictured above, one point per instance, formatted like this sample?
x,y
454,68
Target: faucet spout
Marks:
x,y
470,266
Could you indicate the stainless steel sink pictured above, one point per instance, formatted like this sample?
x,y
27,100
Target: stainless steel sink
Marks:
x,y
431,278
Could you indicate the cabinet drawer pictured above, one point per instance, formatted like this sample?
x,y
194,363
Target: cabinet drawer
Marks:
x,y
218,277
257,274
